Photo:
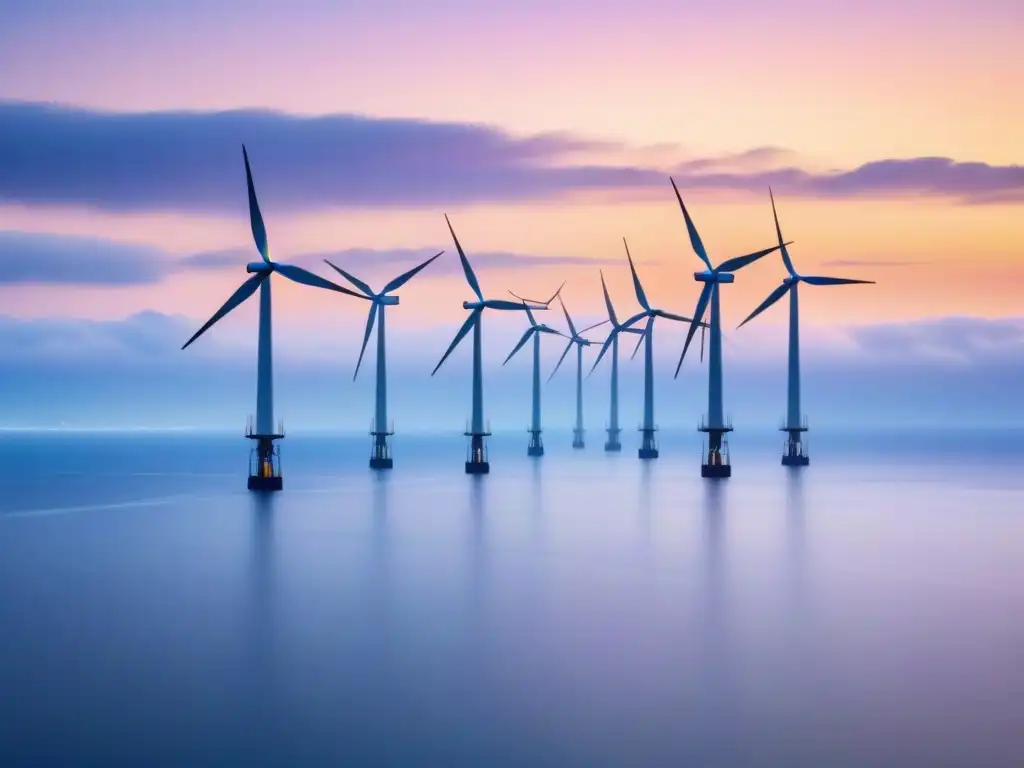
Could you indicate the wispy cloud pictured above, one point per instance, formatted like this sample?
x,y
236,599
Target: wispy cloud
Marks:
x,y
50,259
190,161
878,263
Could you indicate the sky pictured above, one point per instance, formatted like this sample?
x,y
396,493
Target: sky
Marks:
x,y
889,133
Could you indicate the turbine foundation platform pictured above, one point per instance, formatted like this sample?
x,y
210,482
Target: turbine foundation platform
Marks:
x,y
265,461
613,446
257,483
380,452
536,447
577,439
648,443
716,471
715,462
476,458
794,452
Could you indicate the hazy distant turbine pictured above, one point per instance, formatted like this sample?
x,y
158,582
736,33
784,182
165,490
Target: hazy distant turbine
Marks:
x,y
381,455
580,342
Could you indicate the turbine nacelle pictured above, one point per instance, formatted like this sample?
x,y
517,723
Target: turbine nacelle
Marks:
x,y
386,301
714,277
260,267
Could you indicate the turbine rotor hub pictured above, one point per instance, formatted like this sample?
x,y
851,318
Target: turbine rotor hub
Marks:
x,y
259,266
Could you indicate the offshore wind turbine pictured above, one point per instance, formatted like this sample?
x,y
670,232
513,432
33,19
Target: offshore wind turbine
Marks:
x,y
714,463
380,457
612,341
580,342
648,445
267,475
795,454
476,462
536,447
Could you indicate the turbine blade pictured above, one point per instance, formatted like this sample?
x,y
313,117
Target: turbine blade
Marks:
x,y
695,241
352,279
778,231
604,348
817,280
641,297
556,294
567,348
670,316
522,341
643,335
470,277
474,316
259,231
503,304
404,278
608,301
739,262
592,327
247,289
698,315
305,277
572,328
529,315
774,296
366,337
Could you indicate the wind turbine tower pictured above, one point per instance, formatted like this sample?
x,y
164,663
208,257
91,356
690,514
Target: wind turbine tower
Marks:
x,y
580,342
380,455
715,463
476,461
265,472
648,444
613,444
795,452
536,447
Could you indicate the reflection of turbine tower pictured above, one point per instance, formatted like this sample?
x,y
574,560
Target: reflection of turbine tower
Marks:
x,y
266,475
648,445
795,454
716,461
580,342
476,462
380,458
612,341
536,447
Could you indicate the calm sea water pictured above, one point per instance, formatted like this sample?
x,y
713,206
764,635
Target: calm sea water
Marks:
x,y
579,610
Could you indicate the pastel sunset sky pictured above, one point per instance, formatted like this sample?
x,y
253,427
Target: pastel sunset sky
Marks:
x,y
890,133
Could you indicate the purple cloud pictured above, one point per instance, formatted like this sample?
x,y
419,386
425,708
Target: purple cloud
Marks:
x,y
190,161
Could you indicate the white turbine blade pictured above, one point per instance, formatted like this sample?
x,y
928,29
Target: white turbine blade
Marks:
x,y
351,278
305,277
405,277
507,305
698,315
778,231
247,289
259,231
567,348
695,241
466,268
466,326
522,341
774,296
817,280
641,297
366,337
572,328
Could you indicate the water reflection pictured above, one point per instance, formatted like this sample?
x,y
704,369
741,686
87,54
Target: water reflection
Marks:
x,y
647,502
478,555
795,534
379,593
